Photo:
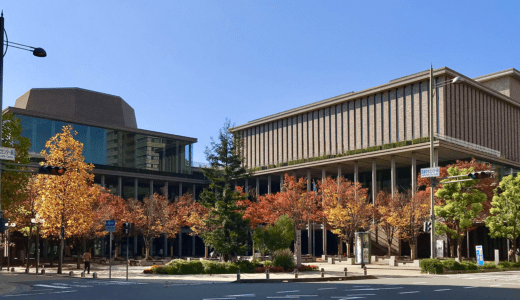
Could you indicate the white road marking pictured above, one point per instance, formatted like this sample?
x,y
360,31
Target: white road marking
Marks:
x,y
53,286
442,290
411,292
375,289
290,296
361,295
33,294
471,287
242,295
295,291
333,288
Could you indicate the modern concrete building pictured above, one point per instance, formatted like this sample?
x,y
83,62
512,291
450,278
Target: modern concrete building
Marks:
x,y
379,136
130,162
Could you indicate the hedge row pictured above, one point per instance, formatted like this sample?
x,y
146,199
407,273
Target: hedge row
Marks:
x,y
435,266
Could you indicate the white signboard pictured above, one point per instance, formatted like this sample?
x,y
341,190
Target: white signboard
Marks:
x,y
430,172
7,153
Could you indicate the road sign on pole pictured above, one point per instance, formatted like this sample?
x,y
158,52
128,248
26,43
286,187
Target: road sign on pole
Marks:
x,y
430,172
110,225
7,153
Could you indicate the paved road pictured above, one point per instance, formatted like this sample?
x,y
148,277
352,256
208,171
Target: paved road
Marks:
x,y
503,285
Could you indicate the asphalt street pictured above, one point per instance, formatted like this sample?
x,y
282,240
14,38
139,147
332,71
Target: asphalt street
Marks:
x,y
500,285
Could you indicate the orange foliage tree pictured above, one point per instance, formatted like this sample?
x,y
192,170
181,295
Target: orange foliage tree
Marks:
x,y
414,212
293,201
65,200
346,208
153,217
388,212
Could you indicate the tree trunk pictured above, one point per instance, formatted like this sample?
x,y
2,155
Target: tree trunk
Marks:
x,y
340,247
459,249
413,248
116,251
147,255
389,247
78,261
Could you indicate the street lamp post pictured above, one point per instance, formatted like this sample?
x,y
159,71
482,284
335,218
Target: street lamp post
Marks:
x,y
39,52
432,160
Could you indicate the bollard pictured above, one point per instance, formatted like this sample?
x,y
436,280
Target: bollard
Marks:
x,y
267,274
12,269
71,273
295,273
43,271
322,272
365,270
345,270
94,275
83,274
238,275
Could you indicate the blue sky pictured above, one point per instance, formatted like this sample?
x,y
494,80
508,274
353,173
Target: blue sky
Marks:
x,y
186,66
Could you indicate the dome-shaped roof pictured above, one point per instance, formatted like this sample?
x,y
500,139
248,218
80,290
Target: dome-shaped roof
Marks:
x,y
81,105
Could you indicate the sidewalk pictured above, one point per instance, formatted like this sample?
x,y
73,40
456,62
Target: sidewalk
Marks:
x,y
9,279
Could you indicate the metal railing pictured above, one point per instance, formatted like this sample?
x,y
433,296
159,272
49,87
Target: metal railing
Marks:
x,y
467,144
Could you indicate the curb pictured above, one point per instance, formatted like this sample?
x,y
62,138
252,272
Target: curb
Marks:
x,y
317,279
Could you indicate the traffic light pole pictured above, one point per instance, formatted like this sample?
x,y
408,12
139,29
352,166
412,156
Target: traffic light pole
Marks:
x,y
432,164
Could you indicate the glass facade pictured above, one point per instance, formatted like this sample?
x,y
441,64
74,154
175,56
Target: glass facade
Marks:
x,y
115,147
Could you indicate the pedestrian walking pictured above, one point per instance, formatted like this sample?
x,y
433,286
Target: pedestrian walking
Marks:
x,y
510,254
86,257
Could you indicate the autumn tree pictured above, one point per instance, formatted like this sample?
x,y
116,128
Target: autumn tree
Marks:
x,y
152,218
229,231
388,212
505,211
293,201
65,200
413,214
14,183
463,204
346,208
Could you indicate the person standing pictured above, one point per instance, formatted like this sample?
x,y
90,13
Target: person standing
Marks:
x,y
86,257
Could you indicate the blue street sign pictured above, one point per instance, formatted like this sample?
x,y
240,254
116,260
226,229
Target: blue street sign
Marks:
x,y
430,172
111,225
480,256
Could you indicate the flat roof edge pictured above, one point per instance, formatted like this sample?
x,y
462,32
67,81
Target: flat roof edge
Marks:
x,y
36,114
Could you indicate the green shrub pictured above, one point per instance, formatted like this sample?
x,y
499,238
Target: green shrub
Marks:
x,y
452,265
469,265
283,258
516,265
431,266
488,266
267,263
504,265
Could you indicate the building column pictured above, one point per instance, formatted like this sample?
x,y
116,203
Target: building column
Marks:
x,y
194,192
166,190
309,180
436,157
339,174
257,187
193,245
374,182
135,245
165,245
281,182
151,188
136,186
103,181
393,175
180,244
310,228
269,184
324,224
180,190
356,177
120,186
414,173
246,187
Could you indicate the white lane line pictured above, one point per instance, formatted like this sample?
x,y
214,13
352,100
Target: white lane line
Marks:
x,y
242,295
53,286
442,290
290,296
471,287
353,295
348,298
332,288
33,294
411,292
375,289
295,291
